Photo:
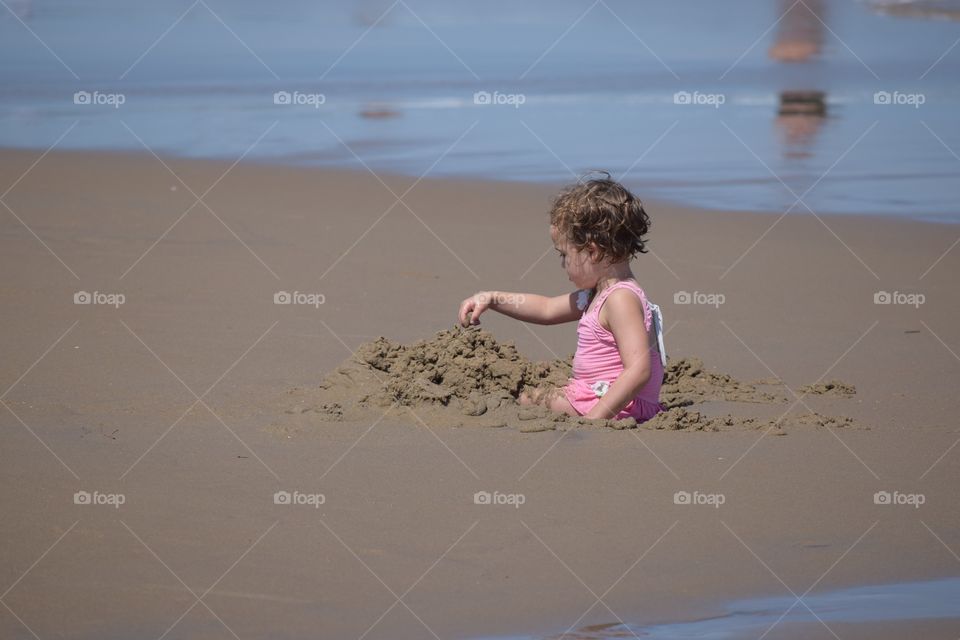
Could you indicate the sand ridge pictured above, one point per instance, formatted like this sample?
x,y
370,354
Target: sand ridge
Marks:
x,y
465,377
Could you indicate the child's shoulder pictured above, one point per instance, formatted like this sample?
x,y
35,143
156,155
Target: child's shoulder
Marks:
x,y
625,292
626,297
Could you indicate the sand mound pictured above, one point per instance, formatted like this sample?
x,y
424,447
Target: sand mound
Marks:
x,y
831,388
455,365
465,377
687,382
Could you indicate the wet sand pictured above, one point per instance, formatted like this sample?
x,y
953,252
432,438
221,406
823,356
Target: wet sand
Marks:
x,y
178,398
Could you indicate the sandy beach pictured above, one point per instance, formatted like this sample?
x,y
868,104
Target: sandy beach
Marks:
x,y
168,399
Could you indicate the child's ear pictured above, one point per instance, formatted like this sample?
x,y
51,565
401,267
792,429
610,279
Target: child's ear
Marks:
x,y
594,252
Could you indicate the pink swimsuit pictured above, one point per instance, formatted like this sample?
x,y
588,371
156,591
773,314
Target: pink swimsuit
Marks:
x,y
597,363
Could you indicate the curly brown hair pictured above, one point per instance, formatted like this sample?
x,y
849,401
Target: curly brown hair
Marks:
x,y
601,212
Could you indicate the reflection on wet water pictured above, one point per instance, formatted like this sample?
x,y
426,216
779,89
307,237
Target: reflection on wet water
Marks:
x,y
801,111
799,119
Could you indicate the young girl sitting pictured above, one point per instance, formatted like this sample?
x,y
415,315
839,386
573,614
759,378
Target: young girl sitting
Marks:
x,y
597,226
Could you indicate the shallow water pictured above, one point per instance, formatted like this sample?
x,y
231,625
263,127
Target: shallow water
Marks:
x,y
598,90
749,618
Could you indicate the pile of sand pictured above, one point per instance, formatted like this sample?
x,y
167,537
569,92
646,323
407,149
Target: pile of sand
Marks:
x,y
453,367
465,377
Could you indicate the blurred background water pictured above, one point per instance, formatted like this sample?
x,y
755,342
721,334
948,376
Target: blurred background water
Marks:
x,y
680,99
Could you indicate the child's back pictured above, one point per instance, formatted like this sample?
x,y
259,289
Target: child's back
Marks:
x,y
597,361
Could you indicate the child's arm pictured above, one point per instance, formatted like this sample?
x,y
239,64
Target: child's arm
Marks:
x,y
624,314
528,307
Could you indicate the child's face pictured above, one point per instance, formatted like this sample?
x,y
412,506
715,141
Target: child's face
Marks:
x,y
581,269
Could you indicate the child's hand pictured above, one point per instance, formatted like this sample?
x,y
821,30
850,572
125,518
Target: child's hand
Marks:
x,y
472,307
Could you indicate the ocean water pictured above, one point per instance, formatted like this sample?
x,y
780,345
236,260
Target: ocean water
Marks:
x,y
814,614
679,100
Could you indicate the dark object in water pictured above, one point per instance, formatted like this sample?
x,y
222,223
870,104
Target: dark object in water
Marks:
x,y
803,103
378,111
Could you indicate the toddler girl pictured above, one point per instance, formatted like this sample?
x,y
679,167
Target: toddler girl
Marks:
x,y
597,226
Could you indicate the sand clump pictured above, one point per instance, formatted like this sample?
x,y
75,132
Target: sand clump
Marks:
x,y
465,377
836,388
679,418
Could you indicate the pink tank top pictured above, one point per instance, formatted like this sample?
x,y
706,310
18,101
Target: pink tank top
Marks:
x,y
597,357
